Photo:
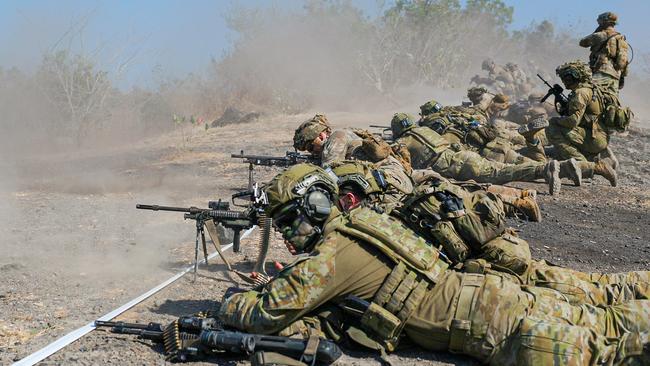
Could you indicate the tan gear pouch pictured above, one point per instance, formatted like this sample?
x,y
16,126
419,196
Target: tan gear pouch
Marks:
x,y
508,251
381,322
454,246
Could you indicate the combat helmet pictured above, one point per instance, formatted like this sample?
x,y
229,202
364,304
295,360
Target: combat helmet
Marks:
x,y
309,130
361,176
607,18
430,107
295,183
574,71
401,123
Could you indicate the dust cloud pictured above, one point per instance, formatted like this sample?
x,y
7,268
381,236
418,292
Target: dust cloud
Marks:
x,y
73,157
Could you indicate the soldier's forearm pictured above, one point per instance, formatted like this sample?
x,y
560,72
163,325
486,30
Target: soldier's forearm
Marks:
x,y
245,311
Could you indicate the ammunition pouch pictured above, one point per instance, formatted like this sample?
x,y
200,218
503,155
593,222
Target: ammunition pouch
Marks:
x,y
508,251
461,326
617,118
393,305
443,232
459,225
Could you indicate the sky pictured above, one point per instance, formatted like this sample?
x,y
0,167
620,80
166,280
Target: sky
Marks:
x,y
174,37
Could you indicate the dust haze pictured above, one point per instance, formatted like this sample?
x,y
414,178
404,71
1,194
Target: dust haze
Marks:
x,y
77,153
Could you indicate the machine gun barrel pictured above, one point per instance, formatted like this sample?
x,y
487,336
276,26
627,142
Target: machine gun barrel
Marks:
x,y
152,331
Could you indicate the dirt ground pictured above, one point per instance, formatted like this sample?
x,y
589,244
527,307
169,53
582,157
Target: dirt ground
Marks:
x,y
74,247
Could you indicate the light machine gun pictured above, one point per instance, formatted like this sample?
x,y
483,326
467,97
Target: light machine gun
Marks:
x,y
290,158
219,212
190,337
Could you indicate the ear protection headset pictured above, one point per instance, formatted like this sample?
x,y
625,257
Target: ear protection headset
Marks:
x,y
317,204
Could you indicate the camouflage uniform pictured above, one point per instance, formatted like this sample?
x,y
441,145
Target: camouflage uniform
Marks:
x,y
580,133
338,145
608,56
429,150
465,126
471,225
486,316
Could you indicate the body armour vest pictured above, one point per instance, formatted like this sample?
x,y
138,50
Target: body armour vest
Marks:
x,y
424,145
418,265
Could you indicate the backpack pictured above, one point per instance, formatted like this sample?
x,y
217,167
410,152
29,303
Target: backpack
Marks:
x,y
613,116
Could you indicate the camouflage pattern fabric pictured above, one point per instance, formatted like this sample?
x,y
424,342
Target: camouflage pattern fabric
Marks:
x,y
580,134
484,316
608,53
340,145
468,165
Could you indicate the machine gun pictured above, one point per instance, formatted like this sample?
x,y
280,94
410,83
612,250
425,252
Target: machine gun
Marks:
x,y
386,132
191,337
561,101
220,212
290,158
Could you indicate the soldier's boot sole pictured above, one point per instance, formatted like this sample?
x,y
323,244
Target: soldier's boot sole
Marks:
x,y
533,126
552,175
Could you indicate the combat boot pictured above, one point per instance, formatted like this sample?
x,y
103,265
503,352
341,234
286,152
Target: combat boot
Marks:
x,y
605,170
528,208
608,156
570,169
551,173
529,193
511,191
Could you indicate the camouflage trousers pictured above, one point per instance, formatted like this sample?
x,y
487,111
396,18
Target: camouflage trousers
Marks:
x,y
511,255
468,165
503,151
535,151
580,143
511,325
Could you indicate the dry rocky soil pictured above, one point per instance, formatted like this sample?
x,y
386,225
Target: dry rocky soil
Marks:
x,y
74,247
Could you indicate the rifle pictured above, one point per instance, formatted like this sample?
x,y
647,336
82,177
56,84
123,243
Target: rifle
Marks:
x,y
192,336
386,133
290,158
561,101
220,212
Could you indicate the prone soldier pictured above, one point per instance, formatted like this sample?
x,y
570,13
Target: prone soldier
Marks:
x,y
410,291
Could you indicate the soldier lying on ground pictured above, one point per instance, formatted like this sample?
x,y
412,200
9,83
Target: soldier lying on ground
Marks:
x,y
316,137
413,293
470,227
430,150
467,128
